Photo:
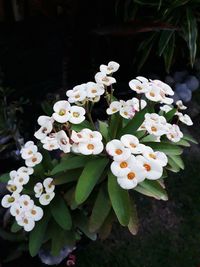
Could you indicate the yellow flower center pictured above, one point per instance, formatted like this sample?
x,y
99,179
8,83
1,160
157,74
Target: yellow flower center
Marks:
x,y
76,114
62,112
118,151
152,94
131,175
94,91
147,167
153,156
154,129
90,146
123,164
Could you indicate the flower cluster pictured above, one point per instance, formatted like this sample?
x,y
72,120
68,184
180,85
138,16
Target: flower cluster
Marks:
x,y
126,109
30,154
134,162
23,208
154,90
45,191
87,142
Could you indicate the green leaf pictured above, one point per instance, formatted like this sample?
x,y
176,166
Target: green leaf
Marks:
x,y
154,188
82,222
103,128
69,196
134,123
170,114
134,222
164,40
89,177
47,108
106,228
191,34
178,160
172,166
119,199
15,227
61,213
101,209
140,134
169,149
189,138
115,125
168,53
81,126
37,235
67,177
183,142
70,164
4,178
148,138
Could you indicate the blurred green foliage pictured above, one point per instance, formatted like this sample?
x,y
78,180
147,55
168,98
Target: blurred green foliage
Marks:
x,y
177,25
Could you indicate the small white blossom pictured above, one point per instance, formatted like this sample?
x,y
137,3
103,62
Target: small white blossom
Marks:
x,y
38,189
77,94
101,78
34,160
46,198
110,68
63,141
61,111
153,169
49,185
8,200
174,134
116,149
77,115
180,105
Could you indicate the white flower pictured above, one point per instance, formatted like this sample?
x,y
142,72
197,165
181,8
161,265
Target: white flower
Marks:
x,y
156,156
90,147
101,78
139,85
46,198
116,149
38,189
153,94
174,134
180,105
46,124
122,168
153,169
13,174
36,213
22,178
49,185
34,160
14,187
50,143
26,222
28,150
110,68
127,112
8,200
165,88
77,115
26,202
61,111
26,170
113,108
185,119
166,108
93,90
79,137
94,135
63,141
77,94
136,175
132,142
136,104
155,124
16,209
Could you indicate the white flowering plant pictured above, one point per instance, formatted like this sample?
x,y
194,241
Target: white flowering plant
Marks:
x,y
90,184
